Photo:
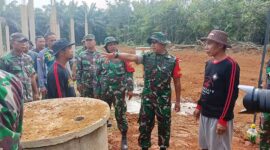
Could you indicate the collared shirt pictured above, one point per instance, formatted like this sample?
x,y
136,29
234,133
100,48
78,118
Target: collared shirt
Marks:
x,y
44,62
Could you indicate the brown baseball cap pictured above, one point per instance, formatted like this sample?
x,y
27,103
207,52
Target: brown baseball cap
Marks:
x,y
219,37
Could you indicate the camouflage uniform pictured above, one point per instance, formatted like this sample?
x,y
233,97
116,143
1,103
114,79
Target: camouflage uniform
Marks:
x,y
156,95
265,119
115,78
79,51
11,106
22,67
156,98
44,62
86,71
73,62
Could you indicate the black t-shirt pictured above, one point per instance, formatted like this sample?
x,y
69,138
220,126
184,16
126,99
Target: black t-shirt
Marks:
x,y
59,74
220,89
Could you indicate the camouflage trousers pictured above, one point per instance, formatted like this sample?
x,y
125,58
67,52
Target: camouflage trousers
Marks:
x,y
9,140
265,132
117,98
160,107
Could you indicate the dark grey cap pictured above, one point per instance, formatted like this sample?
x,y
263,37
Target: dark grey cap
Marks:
x,y
19,37
60,44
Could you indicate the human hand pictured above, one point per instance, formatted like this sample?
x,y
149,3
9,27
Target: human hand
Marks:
x,y
220,129
177,107
197,113
130,94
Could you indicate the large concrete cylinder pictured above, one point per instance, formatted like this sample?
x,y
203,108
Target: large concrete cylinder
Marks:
x,y
66,124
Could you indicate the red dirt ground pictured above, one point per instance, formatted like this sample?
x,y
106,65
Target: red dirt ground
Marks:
x,y
184,129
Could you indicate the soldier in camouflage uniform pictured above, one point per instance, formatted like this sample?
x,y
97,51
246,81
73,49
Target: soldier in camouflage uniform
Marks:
x,y
31,53
86,68
44,62
73,62
11,107
159,68
21,65
265,118
80,50
115,79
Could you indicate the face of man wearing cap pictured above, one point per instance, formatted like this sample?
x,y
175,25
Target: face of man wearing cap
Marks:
x,y
83,44
19,46
49,41
26,48
112,47
67,53
40,43
213,48
90,44
157,47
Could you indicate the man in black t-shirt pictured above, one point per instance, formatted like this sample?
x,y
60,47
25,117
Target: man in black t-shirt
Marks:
x,y
60,83
219,93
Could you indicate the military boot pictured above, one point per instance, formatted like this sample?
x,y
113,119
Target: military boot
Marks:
x,y
124,145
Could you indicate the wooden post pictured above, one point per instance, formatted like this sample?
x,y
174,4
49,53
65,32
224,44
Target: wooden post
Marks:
x,y
85,22
31,15
24,19
72,32
1,39
7,38
54,25
58,31
72,36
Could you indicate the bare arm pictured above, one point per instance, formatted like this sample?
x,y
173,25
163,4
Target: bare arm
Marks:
x,y
34,87
122,56
177,85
